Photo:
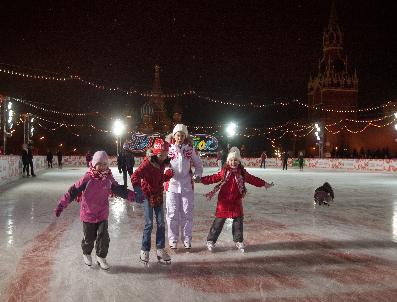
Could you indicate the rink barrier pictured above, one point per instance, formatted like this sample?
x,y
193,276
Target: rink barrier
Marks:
x,y
11,165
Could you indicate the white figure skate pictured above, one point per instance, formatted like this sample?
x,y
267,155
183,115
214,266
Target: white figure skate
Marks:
x,y
163,257
144,257
240,246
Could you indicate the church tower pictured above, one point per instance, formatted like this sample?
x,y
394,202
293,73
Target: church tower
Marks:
x,y
153,112
335,87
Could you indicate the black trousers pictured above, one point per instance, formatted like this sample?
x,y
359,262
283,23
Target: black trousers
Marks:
x,y
31,167
25,168
97,232
49,162
217,226
285,164
263,162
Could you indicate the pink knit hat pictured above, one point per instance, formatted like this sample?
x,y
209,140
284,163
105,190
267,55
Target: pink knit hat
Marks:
x,y
100,157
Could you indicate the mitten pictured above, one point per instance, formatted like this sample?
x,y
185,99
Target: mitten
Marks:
x,y
58,210
196,178
169,173
131,196
139,197
267,185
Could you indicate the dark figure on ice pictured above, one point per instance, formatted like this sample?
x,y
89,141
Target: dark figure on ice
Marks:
x,y
125,164
30,160
324,195
263,159
285,160
49,158
88,158
300,161
60,156
25,160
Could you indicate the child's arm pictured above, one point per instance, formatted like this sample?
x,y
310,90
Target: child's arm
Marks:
x,y
71,194
211,179
136,178
197,164
122,191
256,181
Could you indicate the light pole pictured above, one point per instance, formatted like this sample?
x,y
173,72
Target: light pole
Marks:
x,y
319,133
230,132
118,130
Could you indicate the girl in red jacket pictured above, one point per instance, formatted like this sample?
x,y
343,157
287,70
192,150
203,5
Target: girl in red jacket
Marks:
x,y
232,178
148,185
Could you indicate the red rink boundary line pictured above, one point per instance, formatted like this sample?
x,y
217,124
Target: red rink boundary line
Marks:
x,y
34,269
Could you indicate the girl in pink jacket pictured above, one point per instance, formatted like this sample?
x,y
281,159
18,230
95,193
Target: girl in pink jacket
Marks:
x,y
95,187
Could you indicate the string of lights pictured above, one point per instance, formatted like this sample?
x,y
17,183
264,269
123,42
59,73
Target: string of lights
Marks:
x,y
184,93
25,102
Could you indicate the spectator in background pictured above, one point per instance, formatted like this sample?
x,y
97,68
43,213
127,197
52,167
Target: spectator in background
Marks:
x,y
50,156
25,160
263,159
30,159
88,158
285,160
60,157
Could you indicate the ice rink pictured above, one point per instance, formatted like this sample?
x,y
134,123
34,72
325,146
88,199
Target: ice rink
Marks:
x,y
295,251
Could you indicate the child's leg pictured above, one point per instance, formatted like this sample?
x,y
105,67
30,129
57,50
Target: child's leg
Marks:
x,y
90,234
216,229
173,202
102,239
147,230
160,233
187,215
237,229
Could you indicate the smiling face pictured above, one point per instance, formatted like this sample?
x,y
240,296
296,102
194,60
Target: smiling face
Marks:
x,y
179,137
101,167
233,162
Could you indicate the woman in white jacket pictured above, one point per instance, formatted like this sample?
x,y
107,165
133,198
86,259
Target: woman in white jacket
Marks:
x,y
179,190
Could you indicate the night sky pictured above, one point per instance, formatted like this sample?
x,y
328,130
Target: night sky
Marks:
x,y
244,51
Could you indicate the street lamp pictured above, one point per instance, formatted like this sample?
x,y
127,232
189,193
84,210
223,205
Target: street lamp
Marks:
x,y
118,130
230,132
319,133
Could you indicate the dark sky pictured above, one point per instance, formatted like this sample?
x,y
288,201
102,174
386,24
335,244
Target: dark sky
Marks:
x,y
241,50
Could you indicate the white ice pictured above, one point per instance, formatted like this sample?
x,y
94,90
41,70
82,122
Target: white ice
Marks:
x,y
294,249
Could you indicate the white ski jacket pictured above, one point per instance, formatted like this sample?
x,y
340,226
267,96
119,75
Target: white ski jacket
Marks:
x,y
182,159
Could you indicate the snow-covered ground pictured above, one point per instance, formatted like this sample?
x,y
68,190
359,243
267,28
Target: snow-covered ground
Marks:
x,y
295,251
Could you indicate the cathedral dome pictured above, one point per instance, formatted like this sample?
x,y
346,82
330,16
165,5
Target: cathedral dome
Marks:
x,y
147,109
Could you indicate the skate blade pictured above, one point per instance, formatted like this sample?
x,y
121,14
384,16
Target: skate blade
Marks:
x,y
161,261
145,263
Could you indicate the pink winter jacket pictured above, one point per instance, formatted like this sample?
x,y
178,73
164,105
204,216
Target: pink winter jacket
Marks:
x,y
94,205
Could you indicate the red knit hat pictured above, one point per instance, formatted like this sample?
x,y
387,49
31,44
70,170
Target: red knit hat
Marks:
x,y
159,145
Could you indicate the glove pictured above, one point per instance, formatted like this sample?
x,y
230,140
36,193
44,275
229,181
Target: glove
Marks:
x,y
169,173
131,196
267,185
196,178
120,171
139,197
58,210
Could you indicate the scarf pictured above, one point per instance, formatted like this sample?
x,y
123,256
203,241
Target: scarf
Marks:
x,y
229,173
99,175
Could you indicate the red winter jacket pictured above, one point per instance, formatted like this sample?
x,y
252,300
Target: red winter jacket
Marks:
x,y
229,198
150,178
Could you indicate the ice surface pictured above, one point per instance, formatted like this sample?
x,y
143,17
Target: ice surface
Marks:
x,y
295,250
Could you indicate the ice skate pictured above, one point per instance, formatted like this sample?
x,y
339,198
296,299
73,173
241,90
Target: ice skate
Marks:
x,y
163,257
210,246
87,259
240,246
187,245
102,263
173,245
144,257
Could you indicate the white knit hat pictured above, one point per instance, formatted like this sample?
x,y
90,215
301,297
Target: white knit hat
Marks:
x,y
234,152
180,128
99,157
